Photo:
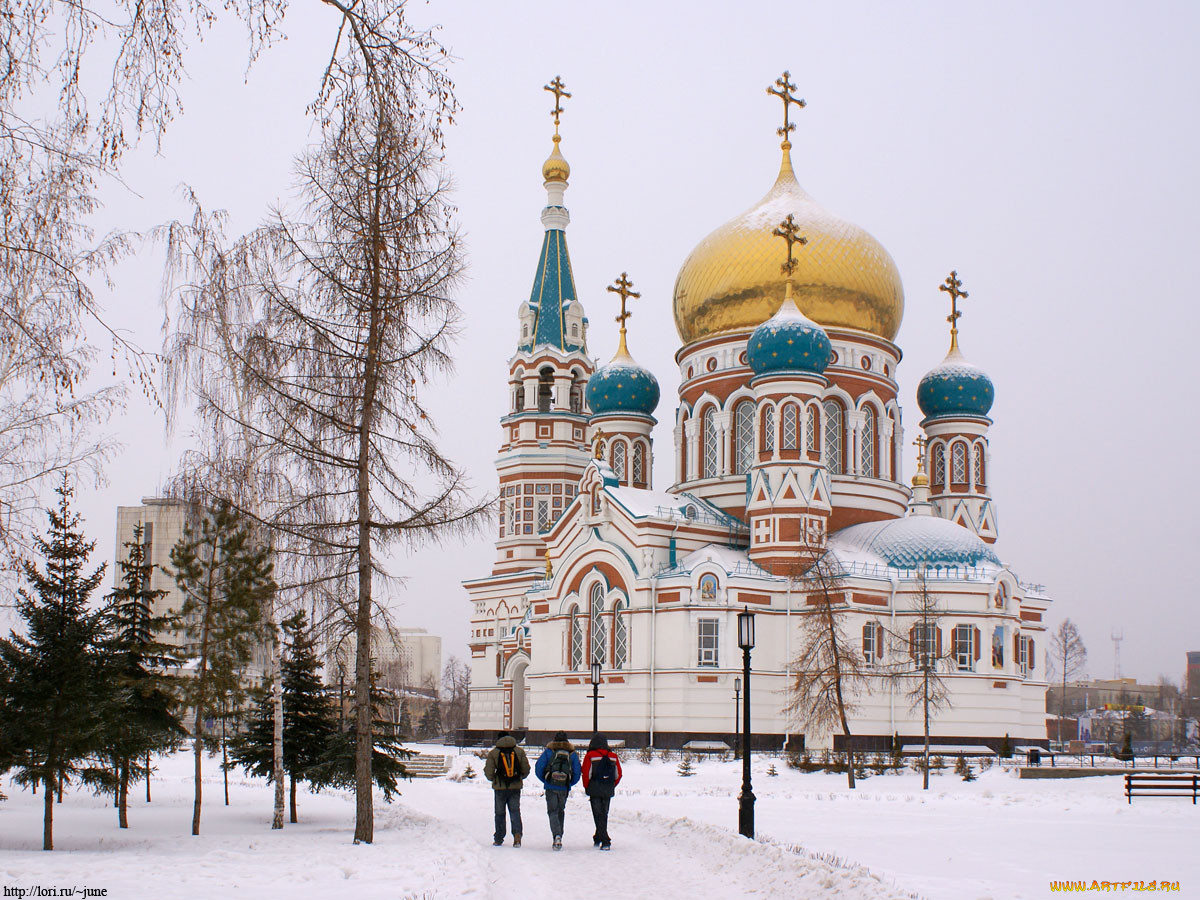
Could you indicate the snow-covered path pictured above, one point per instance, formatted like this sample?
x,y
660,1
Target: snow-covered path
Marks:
x,y
998,838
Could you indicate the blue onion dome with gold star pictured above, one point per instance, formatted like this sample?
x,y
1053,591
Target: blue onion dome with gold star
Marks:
x,y
623,386
789,341
955,388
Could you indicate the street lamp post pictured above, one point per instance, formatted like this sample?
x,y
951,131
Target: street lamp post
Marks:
x,y
737,708
595,697
746,798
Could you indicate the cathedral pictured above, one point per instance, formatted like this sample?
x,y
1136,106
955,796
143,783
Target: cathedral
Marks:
x,y
787,448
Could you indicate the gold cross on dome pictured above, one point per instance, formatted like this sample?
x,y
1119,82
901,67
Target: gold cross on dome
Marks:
x,y
953,287
559,90
790,232
624,287
920,443
783,90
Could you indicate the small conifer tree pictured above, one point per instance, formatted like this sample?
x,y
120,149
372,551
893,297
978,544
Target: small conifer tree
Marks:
x,y
140,708
685,767
309,719
1005,748
337,764
431,721
772,771
53,692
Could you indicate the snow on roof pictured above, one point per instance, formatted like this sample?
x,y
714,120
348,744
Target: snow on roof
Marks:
x,y
730,559
643,504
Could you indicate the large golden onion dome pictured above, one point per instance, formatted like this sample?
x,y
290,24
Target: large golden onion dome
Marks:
x,y
732,281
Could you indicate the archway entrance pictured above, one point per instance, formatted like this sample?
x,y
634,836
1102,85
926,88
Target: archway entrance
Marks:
x,y
520,695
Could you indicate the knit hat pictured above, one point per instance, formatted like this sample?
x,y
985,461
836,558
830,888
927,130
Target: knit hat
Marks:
x,y
560,735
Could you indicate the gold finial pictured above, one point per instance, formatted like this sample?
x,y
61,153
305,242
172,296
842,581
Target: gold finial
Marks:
x,y
549,569
624,287
559,90
920,479
783,90
598,445
953,287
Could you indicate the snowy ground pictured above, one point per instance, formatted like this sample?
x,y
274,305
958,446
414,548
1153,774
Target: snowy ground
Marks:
x,y
998,837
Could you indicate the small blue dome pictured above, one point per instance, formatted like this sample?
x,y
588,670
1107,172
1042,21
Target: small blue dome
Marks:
x,y
955,388
622,386
789,341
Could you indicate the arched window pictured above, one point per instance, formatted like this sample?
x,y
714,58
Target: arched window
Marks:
x,y
939,465
788,439
958,462
519,398
599,630
768,429
620,636
866,444
545,389
833,437
576,395
595,501
812,426
575,658
980,479
639,463
618,459
709,452
743,437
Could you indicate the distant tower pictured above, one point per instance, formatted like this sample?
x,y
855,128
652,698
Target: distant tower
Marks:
x,y
956,397
1117,636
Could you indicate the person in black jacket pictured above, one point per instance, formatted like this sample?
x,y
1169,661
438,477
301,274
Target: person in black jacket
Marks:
x,y
601,775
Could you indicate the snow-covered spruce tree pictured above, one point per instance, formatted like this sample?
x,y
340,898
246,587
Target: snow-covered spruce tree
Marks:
x,y
139,710
309,719
685,769
225,578
339,763
829,667
50,671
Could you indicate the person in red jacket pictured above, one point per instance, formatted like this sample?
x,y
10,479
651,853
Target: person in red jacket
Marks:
x,y
601,775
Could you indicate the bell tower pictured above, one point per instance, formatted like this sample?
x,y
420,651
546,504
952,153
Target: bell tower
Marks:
x,y
544,449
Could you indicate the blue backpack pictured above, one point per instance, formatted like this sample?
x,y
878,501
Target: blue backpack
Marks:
x,y
604,771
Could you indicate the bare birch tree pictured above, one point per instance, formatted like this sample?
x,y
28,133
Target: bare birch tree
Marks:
x,y
1069,656
829,670
354,316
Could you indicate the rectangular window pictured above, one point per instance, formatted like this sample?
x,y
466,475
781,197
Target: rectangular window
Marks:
x,y
1025,645
872,643
964,648
998,647
707,643
543,509
925,644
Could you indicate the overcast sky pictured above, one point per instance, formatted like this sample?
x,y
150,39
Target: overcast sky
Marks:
x,y
1048,152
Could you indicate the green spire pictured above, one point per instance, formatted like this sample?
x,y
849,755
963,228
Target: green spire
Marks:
x,y
553,289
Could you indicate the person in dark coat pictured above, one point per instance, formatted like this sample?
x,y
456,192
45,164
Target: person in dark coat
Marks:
x,y
506,768
558,768
601,775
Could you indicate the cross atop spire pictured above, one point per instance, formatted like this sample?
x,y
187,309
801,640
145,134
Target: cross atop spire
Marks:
x,y
921,443
783,90
790,232
624,287
953,287
559,90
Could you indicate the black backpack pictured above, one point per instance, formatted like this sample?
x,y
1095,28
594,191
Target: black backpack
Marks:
x,y
558,770
506,762
604,771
